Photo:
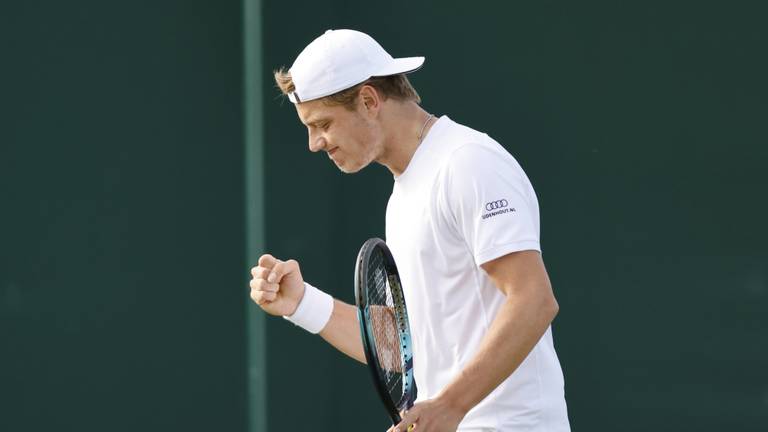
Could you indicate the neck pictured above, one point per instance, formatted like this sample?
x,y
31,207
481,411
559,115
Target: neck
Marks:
x,y
402,125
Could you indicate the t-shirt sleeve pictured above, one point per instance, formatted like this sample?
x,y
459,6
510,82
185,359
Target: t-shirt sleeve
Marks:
x,y
490,202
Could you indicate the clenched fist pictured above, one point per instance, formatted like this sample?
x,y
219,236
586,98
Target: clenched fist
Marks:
x,y
277,286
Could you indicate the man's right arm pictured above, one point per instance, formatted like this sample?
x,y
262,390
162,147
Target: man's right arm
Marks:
x,y
343,330
278,288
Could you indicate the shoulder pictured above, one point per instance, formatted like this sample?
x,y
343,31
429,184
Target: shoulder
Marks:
x,y
480,158
467,157
468,145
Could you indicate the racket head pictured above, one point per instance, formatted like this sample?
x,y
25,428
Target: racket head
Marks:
x,y
384,328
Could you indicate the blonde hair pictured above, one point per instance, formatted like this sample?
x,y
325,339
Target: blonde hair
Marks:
x,y
396,87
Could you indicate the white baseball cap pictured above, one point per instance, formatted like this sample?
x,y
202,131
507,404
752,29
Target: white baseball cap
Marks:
x,y
340,59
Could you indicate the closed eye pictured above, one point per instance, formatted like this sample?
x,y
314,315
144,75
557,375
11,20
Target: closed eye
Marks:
x,y
319,125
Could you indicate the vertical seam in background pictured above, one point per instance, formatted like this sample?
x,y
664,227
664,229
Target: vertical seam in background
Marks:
x,y
254,208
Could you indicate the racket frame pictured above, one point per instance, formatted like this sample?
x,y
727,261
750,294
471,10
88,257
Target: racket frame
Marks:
x,y
403,329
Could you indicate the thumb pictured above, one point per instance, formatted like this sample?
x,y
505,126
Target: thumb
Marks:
x,y
409,417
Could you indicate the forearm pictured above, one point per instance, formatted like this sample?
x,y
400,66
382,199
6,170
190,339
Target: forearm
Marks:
x,y
517,327
343,331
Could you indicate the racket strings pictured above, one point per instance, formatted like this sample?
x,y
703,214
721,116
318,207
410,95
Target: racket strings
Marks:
x,y
385,326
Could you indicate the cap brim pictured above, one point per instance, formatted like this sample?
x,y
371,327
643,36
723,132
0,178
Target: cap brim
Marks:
x,y
401,66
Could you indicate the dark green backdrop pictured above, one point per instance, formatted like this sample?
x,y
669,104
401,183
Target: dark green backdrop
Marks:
x,y
146,160
121,217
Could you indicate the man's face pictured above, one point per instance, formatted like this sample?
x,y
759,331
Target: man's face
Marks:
x,y
349,137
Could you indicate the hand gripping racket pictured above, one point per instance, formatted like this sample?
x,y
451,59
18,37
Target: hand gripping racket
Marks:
x,y
384,327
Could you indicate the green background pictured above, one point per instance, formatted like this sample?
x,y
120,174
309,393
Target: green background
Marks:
x,y
146,160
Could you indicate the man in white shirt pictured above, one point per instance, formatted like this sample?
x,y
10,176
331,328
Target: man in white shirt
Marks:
x,y
463,225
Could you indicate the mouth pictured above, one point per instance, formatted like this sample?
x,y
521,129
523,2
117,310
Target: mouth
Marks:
x,y
332,151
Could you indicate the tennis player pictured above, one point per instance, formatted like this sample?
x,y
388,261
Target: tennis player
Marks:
x,y
463,225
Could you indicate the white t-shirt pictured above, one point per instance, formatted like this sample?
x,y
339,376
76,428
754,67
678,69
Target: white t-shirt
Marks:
x,y
462,201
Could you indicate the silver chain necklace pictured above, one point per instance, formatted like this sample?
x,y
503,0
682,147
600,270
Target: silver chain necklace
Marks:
x,y
421,134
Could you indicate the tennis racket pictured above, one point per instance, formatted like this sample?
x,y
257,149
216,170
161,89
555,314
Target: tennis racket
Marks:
x,y
384,327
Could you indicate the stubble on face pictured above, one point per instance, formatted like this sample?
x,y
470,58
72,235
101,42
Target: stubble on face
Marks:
x,y
350,139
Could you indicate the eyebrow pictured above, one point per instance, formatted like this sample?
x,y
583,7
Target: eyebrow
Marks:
x,y
317,121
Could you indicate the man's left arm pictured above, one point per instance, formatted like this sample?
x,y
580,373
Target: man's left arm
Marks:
x,y
522,320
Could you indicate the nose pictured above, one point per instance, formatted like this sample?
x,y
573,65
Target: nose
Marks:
x,y
316,143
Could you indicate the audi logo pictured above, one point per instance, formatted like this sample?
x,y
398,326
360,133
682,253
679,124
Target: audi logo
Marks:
x,y
495,205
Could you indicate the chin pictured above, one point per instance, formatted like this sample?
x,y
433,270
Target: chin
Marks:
x,y
351,168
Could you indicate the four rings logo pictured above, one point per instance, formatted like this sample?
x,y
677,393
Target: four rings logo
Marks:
x,y
494,205
497,207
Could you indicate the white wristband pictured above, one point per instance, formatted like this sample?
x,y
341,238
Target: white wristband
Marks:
x,y
314,310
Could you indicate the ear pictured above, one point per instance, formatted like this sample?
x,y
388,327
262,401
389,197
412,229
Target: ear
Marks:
x,y
370,100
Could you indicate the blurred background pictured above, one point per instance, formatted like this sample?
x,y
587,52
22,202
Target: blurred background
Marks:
x,y
147,160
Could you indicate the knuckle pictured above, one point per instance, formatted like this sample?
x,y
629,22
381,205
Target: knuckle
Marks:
x,y
265,259
277,271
